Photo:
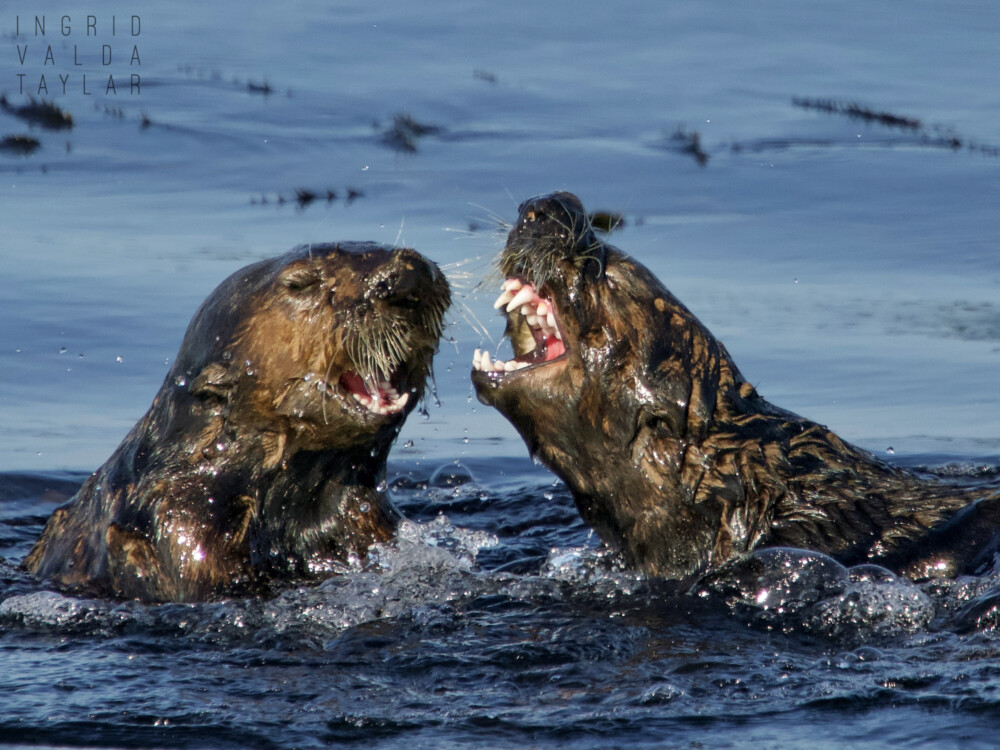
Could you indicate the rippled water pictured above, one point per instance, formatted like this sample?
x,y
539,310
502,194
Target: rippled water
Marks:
x,y
849,265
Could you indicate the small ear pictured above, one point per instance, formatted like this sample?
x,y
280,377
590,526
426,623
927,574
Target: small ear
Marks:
x,y
215,379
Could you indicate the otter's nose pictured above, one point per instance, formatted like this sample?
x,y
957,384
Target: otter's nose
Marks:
x,y
406,280
556,210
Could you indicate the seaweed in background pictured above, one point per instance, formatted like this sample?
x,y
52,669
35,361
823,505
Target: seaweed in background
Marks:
x,y
405,132
20,145
42,113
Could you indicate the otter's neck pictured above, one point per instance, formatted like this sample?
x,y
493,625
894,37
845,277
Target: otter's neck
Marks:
x,y
321,509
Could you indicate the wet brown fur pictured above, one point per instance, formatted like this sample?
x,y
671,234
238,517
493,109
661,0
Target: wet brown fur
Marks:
x,y
675,459
253,464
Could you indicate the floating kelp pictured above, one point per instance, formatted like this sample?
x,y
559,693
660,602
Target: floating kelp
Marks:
x,y
19,144
42,113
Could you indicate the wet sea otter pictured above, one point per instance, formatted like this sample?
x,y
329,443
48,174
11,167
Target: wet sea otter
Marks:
x,y
262,453
672,457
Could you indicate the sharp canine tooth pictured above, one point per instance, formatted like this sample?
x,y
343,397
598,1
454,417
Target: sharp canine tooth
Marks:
x,y
550,319
559,334
526,294
402,401
503,299
511,285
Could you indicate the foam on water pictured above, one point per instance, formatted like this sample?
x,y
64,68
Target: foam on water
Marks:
x,y
426,566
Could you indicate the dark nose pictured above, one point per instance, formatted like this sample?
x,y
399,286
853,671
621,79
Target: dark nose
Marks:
x,y
554,212
406,280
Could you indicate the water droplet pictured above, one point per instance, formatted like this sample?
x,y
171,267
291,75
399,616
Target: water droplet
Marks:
x,y
119,359
180,381
364,507
62,349
408,444
890,450
227,356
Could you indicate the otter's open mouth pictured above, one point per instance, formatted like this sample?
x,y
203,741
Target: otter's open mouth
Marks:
x,y
378,397
532,327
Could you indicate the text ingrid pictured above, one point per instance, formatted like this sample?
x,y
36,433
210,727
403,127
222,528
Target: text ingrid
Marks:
x,y
44,58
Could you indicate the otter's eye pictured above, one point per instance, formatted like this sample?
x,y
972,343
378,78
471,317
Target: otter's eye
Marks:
x,y
300,279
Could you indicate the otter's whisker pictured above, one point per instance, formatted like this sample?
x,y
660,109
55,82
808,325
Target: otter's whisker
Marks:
x,y
399,234
327,388
474,323
502,223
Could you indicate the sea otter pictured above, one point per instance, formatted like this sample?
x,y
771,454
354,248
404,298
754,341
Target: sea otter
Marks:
x,y
672,457
261,456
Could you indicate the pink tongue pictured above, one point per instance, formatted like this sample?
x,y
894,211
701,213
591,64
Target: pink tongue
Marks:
x,y
553,348
356,384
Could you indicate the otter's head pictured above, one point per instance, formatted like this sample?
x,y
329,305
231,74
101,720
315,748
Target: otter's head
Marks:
x,y
604,356
326,348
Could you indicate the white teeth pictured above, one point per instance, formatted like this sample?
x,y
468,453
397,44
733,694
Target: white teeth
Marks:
x,y
390,402
503,299
526,294
538,314
482,361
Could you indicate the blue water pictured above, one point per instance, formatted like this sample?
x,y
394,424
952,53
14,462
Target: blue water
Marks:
x,y
850,268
